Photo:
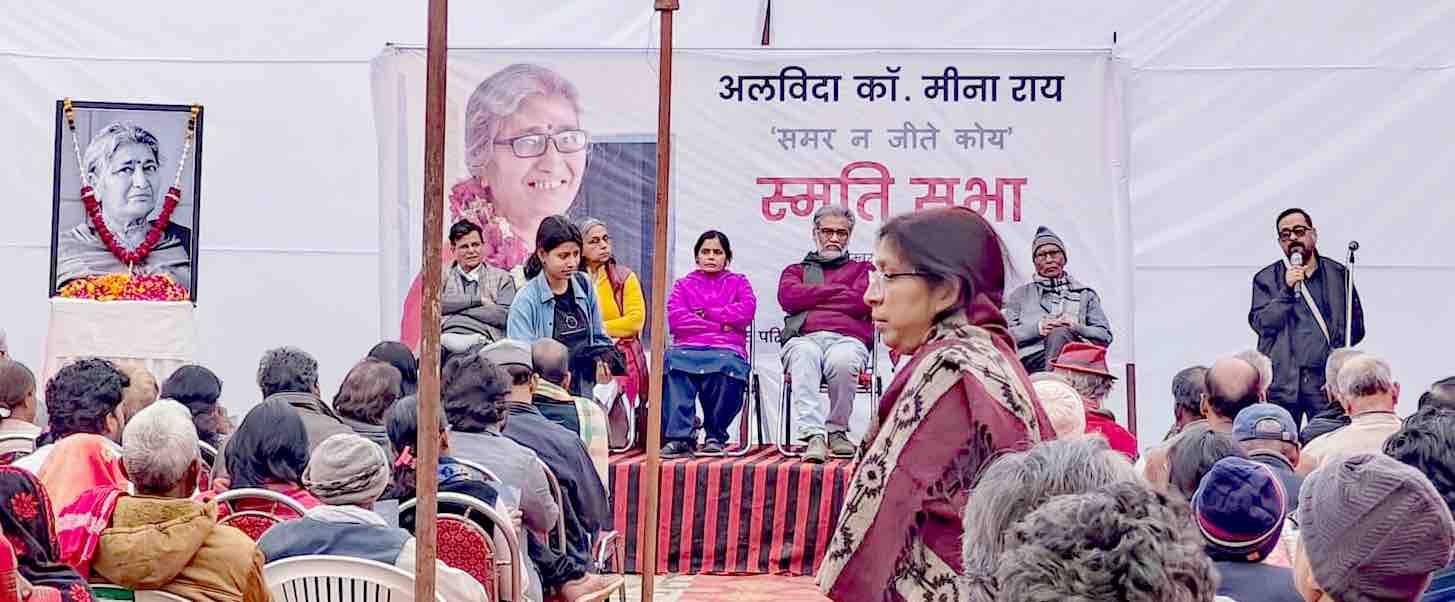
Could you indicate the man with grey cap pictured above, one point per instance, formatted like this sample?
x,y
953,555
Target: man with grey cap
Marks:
x,y
1054,308
348,473
1370,528
586,510
1266,431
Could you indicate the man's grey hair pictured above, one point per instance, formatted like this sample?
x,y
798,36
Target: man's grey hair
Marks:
x,y
1092,387
1123,541
4,345
1189,386
832,210
1264,365
1365,375
105,143
287,370
158,445
1018,483
1336,362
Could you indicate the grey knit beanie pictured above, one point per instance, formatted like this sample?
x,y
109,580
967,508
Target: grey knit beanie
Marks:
x,y
347,470
1373,528
1044,236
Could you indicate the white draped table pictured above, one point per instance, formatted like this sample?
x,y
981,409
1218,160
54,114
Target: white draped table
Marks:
x,y
160,336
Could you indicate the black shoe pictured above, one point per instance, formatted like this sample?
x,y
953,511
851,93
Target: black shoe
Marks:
x,y
711,448
676,449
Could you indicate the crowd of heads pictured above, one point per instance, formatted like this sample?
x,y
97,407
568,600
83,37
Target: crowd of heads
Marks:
x,y
1070,519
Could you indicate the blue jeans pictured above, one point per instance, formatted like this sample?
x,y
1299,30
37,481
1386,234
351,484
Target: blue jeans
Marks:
x,y
715,377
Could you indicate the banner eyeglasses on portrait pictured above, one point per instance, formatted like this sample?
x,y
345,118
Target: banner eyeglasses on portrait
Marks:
x,y
530,146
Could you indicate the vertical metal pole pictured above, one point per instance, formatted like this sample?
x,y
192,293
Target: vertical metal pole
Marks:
x,y
1132,399
428,443
652,468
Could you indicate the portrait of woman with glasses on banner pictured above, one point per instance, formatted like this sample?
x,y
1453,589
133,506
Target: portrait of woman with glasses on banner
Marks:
x,y
525,150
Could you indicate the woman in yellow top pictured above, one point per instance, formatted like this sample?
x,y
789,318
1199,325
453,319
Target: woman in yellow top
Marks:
x,y
619,294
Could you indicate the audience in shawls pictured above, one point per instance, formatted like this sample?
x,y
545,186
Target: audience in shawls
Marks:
x,y
27,521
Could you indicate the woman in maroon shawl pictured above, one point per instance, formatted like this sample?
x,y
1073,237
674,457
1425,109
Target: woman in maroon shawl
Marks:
x,y
961,399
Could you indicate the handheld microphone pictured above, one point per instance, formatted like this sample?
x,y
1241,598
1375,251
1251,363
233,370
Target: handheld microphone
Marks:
x,y
1296,259
1353,246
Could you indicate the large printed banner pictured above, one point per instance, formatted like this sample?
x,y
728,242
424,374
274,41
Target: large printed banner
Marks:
x,y
763,138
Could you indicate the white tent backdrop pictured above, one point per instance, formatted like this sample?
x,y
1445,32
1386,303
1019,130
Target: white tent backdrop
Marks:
x,y
1233,110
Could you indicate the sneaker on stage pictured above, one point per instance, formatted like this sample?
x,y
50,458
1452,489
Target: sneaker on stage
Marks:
x,y
676,449
711,448
840,445
818,450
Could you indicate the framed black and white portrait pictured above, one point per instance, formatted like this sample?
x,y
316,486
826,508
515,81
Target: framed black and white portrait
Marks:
x,y
126,192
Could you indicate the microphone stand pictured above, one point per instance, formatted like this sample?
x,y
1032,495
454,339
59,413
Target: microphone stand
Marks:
x,y
1349,297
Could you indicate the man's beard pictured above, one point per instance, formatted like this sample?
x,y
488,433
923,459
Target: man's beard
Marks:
x,y
830,252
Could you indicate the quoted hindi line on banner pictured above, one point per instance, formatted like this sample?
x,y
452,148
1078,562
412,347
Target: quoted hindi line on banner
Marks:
x,y
794,83
908,136
859,175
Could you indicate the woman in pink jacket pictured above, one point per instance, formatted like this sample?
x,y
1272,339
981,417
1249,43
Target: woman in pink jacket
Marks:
x,y
709,313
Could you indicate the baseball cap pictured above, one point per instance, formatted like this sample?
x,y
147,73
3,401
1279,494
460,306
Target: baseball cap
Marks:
x,y
1265,421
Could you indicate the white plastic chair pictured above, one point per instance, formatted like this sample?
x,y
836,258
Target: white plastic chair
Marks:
x,y
16,455
338,579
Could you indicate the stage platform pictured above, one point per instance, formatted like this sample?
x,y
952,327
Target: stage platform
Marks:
x,y
762,513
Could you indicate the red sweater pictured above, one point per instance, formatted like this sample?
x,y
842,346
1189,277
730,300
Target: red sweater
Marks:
x,y
1118,437
837,305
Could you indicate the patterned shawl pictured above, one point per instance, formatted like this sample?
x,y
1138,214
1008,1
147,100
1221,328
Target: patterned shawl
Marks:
x,y
80,254
962,400
25,516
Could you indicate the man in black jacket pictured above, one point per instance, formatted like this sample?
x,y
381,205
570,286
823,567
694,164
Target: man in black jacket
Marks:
x,y
1298,311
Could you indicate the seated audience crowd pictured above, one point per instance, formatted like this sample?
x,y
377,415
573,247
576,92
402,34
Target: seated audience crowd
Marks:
x,y
127,482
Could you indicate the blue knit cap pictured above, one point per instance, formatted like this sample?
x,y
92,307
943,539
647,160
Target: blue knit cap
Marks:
x,y
1240,509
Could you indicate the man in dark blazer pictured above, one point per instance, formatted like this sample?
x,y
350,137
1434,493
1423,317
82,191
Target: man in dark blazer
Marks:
x,y
1299,312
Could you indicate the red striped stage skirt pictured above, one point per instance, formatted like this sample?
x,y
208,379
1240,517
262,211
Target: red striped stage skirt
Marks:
x,y
759,514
